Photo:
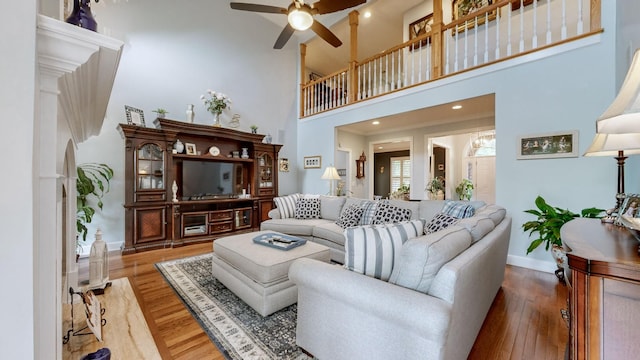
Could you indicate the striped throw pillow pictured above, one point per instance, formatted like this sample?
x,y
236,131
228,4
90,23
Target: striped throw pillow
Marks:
x,y
458,209
373,250
286,205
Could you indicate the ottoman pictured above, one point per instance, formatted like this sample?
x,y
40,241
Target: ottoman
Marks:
x,y
258,274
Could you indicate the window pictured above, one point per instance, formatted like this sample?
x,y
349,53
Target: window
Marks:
x,y
400,172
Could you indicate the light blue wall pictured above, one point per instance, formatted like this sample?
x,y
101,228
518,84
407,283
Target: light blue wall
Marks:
x,y
172,55
565,88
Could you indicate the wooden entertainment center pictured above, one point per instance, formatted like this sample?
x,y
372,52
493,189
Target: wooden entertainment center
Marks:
x,y
225,181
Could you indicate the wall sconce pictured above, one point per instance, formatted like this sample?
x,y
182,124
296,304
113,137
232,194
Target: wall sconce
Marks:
x,y
360,166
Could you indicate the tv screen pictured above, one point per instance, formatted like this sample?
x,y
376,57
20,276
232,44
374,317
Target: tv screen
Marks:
x,y
206,179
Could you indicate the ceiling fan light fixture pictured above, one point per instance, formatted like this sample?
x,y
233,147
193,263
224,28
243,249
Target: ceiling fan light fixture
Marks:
x,y
300,19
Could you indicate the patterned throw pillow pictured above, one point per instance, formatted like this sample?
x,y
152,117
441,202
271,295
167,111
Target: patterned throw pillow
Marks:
x,y
369,212
308,208
439,222
350,216
458,209
286,205
389,214
373,250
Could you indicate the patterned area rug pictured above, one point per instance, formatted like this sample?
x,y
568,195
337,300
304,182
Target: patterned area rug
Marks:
x,y
236,329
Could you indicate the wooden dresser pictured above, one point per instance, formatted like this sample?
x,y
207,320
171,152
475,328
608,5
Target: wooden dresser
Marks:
x,y
603,277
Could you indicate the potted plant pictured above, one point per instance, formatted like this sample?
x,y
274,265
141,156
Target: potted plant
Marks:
x,y
93,182
161,112
547,226
402,193
465,189
435,187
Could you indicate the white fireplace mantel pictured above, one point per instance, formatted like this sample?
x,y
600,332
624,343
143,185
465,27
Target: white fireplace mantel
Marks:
x,y
76,69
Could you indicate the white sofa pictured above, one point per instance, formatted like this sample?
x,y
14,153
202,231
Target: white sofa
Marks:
x,y
433,304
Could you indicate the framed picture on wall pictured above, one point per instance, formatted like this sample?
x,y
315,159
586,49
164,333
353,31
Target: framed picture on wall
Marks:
x,y
313,162
550,145
462,8
134,116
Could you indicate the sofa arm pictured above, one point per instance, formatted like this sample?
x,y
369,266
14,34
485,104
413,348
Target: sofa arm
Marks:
x,y
274,213
425,314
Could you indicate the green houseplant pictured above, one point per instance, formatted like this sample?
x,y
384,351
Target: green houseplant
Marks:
x,y
436,187
93,183
465,189
547,227
161,112
402,193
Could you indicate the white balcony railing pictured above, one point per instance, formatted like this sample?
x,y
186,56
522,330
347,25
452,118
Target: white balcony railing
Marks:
x,y
499,31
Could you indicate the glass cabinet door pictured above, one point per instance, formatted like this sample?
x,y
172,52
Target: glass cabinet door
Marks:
x,y
150,167
265,171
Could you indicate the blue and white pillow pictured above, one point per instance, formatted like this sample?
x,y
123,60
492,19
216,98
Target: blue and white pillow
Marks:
x,y
458,209
287,205
307,208
368,212
439,222
373,250
350,216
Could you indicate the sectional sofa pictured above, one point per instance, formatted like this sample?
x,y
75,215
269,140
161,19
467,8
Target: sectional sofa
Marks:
x,y
429,303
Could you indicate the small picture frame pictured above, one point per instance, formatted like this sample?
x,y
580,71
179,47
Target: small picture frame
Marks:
x,y
134,116
550,145
313,162
283,165
190,148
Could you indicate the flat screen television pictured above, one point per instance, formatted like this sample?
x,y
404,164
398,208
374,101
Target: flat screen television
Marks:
x,y
210,180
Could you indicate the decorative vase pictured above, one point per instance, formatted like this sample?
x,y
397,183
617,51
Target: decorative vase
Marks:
x,y
267,139
82,16
440,195
216,120
245,153
190,113
178,146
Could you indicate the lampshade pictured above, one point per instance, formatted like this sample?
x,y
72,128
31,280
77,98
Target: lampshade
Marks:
x,y
611,144
623,115
300,19
330,173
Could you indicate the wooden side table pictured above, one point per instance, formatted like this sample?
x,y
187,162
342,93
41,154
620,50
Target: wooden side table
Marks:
x,y
604,290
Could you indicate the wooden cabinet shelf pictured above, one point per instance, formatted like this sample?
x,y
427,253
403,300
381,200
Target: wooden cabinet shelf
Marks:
x,y
209,201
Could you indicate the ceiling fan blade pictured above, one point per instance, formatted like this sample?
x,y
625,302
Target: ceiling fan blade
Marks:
x,y
285,35
258,8
325,33
329,6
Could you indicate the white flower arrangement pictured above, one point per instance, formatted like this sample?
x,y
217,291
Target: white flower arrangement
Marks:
x,y
215,102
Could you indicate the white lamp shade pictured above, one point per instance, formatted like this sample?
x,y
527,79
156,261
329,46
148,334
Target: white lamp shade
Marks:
x,y
610,144
330,173
623,115
300,19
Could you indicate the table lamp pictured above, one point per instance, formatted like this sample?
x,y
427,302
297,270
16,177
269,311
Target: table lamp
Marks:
x,y
331,174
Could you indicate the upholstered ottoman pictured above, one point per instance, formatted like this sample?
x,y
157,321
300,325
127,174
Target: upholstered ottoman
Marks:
x,y
258,274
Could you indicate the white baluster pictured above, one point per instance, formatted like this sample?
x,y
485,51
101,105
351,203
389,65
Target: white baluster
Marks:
x,y
455,56
427,73
509,16
446,52
486,39
580,19
521,47
563,32
549,21
498,35
465,61
393,71
386,72
534,40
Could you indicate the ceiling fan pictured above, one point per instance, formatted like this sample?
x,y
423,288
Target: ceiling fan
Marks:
x,y
300,16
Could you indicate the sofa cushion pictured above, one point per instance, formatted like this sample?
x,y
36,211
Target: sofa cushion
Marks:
x,y
373,250
421,258
439,222
390,214
330,231
477,225
308,208
292,226
350,216
495,212
286,205
368,212
331,206
459,209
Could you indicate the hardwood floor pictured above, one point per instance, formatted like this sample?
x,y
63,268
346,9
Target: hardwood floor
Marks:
x,y
524,321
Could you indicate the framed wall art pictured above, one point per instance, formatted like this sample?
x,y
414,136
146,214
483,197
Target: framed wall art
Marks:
x,y
419,28
190,148
283,165
134,116
313,162
551,145
462,8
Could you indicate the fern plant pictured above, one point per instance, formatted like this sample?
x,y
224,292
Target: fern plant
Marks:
x,y
93,182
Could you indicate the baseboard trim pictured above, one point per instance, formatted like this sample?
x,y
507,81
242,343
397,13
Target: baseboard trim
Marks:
x,y
533,264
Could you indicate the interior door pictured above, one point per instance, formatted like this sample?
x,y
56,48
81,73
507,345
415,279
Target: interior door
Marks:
x,y
484,178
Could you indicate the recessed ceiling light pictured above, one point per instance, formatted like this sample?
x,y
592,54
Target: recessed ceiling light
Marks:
x,y
367,14
456,107
376,122
380,148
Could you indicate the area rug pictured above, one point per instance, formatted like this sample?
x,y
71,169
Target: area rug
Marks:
x,y
236,329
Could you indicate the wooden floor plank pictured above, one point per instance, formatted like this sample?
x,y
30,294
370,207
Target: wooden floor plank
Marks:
x,y
524,321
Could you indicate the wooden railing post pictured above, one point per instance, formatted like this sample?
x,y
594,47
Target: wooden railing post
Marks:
x,y
353,57
437,50
303,77
596,15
